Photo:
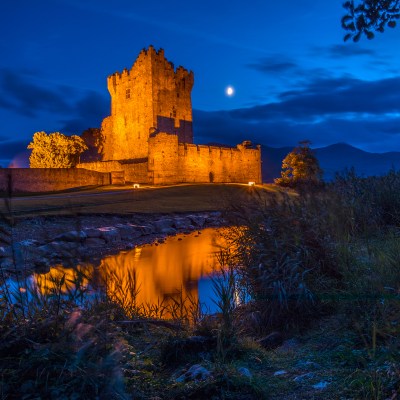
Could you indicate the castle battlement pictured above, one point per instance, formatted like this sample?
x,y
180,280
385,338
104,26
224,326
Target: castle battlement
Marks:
x,y
151,95
153,57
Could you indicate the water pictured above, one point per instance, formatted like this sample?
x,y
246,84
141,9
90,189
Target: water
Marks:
x,y
156,276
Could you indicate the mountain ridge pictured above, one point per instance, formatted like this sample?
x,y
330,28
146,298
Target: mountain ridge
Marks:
x,y
335,158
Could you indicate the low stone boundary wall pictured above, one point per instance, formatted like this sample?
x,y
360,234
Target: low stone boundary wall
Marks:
x,y
50,179
134,172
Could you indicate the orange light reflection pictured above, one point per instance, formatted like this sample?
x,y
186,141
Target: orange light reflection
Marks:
x,y
147,275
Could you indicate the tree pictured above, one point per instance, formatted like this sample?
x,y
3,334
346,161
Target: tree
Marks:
x,y
55,150
94,140
369,16
300,167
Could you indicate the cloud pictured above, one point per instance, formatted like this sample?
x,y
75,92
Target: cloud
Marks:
x,y
88,112
9,148
273,65
325,110
343,51
28,99
74,110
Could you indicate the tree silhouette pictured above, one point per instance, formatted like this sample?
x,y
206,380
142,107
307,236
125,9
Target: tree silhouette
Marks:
x,y
369,16
55,150
300,167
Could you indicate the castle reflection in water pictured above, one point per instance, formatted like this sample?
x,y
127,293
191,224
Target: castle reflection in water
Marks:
x,y
157,274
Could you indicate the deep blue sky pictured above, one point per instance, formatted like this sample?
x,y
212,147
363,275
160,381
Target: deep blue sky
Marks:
x,y
294,78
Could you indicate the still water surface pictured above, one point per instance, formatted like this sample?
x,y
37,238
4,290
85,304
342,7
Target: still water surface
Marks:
x,y
179,268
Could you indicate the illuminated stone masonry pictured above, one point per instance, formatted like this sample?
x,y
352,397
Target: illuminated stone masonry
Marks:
x,y
149,133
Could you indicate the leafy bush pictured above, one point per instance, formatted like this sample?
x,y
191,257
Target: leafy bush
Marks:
x,y
300,168
55,150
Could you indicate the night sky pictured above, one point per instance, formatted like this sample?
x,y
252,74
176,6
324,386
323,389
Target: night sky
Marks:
x,y
294,77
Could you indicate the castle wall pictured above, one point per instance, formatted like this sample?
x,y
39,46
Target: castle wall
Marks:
x,y
101,166
171,96
173,162
163,159
219,164
134,172
139,97
50,179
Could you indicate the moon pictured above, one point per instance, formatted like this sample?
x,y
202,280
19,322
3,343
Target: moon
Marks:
x,y
229,91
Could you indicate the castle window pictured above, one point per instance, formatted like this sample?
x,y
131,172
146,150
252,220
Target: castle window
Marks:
x,y
128,93
173,113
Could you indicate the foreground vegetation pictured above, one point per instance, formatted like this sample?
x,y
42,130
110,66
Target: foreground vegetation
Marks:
x,y
309,306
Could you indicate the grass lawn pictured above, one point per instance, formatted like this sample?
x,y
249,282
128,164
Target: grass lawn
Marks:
x,y
126,200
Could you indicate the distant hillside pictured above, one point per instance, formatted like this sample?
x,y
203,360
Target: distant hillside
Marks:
x,y
335,158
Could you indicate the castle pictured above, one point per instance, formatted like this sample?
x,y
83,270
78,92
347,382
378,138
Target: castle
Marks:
x,y
148,138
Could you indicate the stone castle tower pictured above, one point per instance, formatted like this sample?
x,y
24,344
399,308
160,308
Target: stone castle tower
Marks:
x,y
148,137
150,98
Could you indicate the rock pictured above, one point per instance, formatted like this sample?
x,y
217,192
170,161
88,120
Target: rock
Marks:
x,y
195,372
304,377
146,229
215,214
245,372
272,341
95,242
321,385
42,265
71,236
57,247
197,344
60,250
126,231
168,231
29,243
7,263
182,223
92,232
110,234
280,372
289,345
214,221
162,224
5,251
308,365
137,231
28,249
197,220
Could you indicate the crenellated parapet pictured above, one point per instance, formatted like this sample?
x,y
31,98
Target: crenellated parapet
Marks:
x,y
151,92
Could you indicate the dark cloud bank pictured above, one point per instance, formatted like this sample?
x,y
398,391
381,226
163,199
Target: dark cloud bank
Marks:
x,y
325,111
76,111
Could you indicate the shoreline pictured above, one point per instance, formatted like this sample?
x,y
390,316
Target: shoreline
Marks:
x,y
36,244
